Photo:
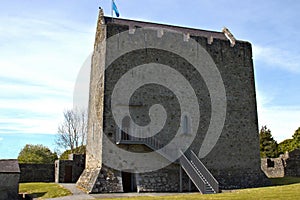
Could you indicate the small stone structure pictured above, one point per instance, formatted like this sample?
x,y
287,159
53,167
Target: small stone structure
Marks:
x,y
36,172
273,167
68,171
234,159
9,179
287,164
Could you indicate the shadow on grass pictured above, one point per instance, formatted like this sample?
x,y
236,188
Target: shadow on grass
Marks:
x,y
37,195
30,196
285,180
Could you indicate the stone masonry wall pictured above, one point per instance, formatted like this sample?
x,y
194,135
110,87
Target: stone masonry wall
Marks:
x,y
234,160
36,173
9,186
230,157
76,162
164,180
104,180
293,163
273,167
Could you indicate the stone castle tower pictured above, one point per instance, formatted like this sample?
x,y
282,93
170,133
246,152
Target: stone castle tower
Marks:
x,y
170,109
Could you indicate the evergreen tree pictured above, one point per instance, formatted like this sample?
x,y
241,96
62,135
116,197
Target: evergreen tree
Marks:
x,y
268,146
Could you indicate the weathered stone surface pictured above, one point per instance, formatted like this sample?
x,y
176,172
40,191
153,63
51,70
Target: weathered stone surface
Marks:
x,y
293,163
37,172
287,164
273,167
235,159
9,179
75,164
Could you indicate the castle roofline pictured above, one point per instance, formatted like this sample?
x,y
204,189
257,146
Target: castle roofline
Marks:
x,y
186,30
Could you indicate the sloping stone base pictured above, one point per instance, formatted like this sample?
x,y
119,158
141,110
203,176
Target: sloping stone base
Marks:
x,y
100,180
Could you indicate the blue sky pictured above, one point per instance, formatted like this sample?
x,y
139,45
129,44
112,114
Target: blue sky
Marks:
x,y
43,44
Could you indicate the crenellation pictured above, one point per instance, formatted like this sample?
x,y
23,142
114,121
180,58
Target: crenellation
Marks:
x,y
232,163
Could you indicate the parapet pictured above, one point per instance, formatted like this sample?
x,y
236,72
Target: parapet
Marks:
x,y
132,25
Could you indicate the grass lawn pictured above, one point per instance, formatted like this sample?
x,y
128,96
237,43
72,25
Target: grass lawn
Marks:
x,y
285,188
43,190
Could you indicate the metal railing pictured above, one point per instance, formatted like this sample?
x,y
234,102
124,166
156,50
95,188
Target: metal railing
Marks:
x,y
189,165
192,173
205,173
124,138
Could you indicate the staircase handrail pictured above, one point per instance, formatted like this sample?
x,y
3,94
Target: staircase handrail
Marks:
x,y
205,172
192,173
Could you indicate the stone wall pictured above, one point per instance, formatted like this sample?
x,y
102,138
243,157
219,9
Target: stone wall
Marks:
x,y
273,167
100,180
9,186
234,160
287,164
36,173
164,180
9,179
75,164
293,163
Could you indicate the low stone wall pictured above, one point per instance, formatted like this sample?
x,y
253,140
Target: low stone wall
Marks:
x,y
36,173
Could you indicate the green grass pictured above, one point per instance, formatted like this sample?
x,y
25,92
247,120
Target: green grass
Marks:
x,y
43,190
284,188
285,180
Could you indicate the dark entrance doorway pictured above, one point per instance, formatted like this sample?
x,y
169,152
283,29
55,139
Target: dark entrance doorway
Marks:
x,y
68,174
129,182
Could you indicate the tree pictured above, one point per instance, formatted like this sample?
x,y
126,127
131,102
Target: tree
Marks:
x,y
290,144
78,150
286,146
296,139
37,154
72,131
268,146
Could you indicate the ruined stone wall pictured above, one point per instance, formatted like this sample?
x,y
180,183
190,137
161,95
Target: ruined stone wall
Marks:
x,y
273,167
293,163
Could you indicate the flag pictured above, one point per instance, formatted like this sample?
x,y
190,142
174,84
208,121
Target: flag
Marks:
x,y
114,7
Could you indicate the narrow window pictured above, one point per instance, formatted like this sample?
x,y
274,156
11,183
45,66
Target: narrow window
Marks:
x,y
270,163
185,125
125,128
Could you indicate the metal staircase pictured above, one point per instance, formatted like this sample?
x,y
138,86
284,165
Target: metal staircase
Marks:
x,y
190,163
198,173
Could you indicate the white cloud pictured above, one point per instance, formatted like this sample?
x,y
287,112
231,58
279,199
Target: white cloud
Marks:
x,y
281,120
276,57
40,60
1,139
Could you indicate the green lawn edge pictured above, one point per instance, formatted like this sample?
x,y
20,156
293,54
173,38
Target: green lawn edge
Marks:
x,y
43,190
